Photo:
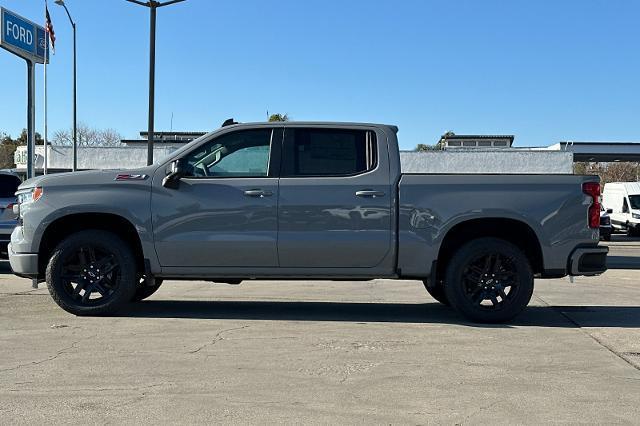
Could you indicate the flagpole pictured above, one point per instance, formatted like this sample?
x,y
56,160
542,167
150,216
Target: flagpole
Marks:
x,y
46,59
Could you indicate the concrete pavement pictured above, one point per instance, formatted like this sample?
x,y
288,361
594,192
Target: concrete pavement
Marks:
x,y
624,252
323,352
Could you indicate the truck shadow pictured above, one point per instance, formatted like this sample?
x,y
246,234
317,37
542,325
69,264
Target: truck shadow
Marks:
x,y
623,262
5,268
435,313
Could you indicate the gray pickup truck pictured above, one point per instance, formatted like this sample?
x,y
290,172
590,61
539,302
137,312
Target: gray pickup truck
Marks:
x,y
300,201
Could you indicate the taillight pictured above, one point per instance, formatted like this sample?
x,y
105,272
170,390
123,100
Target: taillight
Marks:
x,y
592,189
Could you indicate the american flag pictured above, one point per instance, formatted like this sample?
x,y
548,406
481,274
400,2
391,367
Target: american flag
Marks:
x,y
49,29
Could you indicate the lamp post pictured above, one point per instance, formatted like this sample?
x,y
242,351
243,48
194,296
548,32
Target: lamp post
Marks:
x,y
153,6
75,109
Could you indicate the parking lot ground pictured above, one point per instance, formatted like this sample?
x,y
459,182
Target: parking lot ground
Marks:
x,y
323,352
624,252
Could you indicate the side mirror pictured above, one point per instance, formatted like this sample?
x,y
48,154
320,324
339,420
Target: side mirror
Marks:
x,y
176,172
609,211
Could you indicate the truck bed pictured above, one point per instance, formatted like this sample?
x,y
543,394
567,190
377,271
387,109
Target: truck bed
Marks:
x,y
552,206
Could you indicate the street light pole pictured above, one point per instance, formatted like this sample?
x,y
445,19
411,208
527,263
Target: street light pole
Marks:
x,y
153,6
75,98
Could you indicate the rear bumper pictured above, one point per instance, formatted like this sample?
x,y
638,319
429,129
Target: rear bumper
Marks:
x,y
588,261
23,264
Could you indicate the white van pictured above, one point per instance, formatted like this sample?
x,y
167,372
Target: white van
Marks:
x,y
623,198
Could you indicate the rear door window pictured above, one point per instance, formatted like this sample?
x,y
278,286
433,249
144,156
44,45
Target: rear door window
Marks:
x,y
309,152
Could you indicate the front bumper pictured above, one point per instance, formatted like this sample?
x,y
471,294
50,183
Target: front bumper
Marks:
x,y
588,261
6,228
23,264
606,230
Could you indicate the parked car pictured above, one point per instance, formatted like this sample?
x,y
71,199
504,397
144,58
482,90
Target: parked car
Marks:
x,y
9,183
623,199
322,201
605,223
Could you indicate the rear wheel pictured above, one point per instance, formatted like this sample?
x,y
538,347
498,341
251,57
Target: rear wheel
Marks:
x,y
489,280
91,273
437,292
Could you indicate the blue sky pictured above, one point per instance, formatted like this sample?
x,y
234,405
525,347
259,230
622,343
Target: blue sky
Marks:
x,y
542,70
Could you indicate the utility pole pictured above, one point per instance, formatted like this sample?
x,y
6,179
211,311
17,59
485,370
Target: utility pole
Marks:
x,y
75,85
153,6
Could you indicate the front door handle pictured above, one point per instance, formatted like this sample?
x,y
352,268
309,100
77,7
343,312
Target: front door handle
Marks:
x,y
258,193
368,193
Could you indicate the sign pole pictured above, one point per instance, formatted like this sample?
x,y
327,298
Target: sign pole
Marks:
x,y
31,116
26,40
152,79
46,46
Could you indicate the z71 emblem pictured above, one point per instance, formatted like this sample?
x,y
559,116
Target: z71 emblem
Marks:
x,y
130,177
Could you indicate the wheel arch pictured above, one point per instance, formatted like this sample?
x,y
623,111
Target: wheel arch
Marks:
x,y
64,226
515,231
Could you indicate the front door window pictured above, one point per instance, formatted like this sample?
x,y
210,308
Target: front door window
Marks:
x,y
237,154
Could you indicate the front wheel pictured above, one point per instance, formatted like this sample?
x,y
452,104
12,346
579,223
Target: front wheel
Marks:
x,y
489,280
91,273
144,290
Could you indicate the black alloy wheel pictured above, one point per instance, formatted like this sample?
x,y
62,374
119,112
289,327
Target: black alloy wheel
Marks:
x,y
489,280
91,273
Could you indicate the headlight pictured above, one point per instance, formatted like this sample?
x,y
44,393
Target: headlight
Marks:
x,y
30,195
635,215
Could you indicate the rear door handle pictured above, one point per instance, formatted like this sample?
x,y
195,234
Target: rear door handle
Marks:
x,y
368,193
258,193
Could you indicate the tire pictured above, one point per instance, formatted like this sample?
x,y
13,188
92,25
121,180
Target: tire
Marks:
x,y
473,289
437,292
143,291
607,237
73,274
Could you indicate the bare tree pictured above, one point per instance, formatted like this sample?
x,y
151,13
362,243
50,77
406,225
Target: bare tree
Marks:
x,y
88,136
621,172
609,172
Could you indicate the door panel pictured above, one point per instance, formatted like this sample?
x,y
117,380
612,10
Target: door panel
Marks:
x,y
322,222
217,217
213,223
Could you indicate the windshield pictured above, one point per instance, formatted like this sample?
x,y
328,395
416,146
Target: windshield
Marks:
x,y
634,200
